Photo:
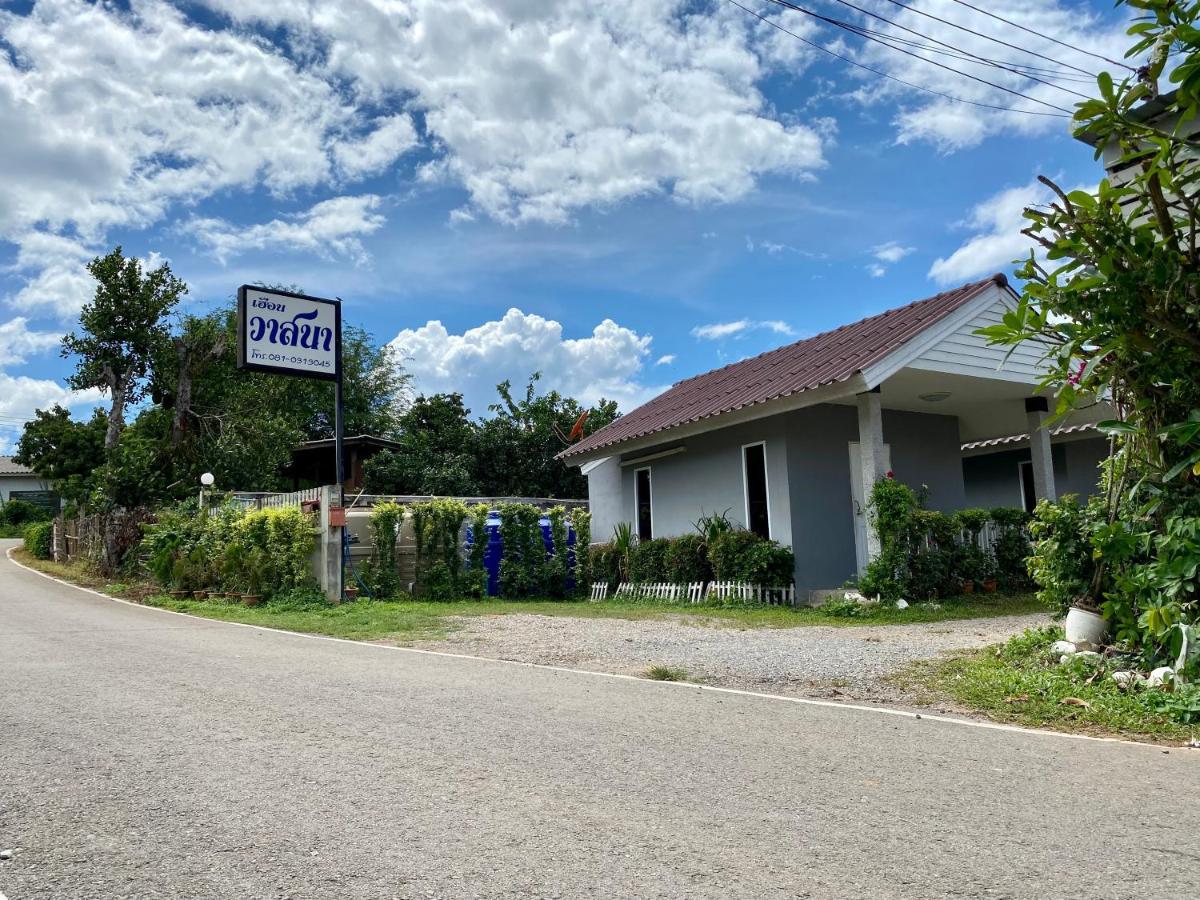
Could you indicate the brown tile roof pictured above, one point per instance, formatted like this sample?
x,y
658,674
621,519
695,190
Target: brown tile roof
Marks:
x,y
828,358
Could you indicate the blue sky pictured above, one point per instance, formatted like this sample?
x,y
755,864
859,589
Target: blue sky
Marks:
x,y
655,188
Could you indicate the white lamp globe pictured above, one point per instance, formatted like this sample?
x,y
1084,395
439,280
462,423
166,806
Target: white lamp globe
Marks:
x,y
207,479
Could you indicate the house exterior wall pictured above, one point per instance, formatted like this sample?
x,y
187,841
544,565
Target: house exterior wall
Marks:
x,y
924,450
9,483
991,479
808,481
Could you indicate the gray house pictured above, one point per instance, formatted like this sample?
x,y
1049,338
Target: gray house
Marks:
x,y
790,441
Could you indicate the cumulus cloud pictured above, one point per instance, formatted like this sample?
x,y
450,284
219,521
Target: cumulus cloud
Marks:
x,y
331,227
21,395
716,331
665,360
17,341
951,126
605,364
997,239
393,136
891,252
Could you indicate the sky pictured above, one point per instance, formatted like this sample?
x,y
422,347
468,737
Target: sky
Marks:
x,y
617,194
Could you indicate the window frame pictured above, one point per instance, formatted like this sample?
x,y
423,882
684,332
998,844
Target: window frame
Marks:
x,y
766,483
637,507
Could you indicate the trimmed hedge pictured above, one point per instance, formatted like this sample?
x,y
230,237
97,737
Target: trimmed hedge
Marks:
x,y
727,556
39,539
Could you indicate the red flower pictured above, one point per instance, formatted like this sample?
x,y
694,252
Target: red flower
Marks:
x,y
891,474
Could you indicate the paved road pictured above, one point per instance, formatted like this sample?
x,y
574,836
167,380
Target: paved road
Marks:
x,y
149,755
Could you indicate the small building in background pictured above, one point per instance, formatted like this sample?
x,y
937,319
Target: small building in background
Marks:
x,y
313,462
18,482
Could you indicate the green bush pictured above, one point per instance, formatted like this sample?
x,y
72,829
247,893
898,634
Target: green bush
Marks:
x,y
605,561
744,556
687,560
20,512
1062,562
648,561
39,539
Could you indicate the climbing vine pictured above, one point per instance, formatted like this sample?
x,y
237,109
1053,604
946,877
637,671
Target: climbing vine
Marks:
x,y
436,526
385,520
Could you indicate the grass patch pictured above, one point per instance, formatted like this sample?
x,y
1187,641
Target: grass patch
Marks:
x,y
1022,683
666,673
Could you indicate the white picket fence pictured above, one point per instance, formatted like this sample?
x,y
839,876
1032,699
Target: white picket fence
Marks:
x,y
699,592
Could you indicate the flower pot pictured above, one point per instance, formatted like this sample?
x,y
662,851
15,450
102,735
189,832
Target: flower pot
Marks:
x,y
179,595
232,595
990,586
1085,628
351,593
968,587
200,595
251,599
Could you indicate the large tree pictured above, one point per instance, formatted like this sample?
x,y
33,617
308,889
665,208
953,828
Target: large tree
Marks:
x,y
120,331
65,452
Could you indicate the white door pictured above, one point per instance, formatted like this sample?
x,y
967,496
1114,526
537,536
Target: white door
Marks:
x,y
859,502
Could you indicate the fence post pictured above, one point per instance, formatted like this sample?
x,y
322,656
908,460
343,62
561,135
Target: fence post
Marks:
x,y
327,558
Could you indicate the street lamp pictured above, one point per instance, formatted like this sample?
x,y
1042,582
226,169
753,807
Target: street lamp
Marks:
x,y
206,480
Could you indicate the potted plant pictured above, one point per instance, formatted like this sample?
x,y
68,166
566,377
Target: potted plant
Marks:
x,y
1084,626
255,563
970,568
351,592
987,574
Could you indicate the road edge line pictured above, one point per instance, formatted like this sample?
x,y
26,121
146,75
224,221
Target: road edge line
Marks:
x,y
802,701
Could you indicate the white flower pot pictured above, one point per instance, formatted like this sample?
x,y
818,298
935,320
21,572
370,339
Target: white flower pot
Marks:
x,y
1085,628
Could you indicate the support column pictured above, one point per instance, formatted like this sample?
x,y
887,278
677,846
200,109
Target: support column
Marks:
x,y
1037,409
870,449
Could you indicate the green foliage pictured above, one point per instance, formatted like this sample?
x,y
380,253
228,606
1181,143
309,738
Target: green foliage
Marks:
x,y
648,562
258,552
1062,562
385,521
744,556
687,560
437,525
39,539
20,512
581,520
891,505
712,525
666,673
63,451
607,564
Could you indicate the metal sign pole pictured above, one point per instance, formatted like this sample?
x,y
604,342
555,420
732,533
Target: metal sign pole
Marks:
x,y
339,427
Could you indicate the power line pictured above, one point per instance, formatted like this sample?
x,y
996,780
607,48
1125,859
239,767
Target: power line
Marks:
x,y
988,37
846,26
1046,36
1005,66
890,77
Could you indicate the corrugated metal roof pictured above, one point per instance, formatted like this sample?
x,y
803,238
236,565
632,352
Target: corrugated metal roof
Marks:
x,y
8,466
828,358
1017,438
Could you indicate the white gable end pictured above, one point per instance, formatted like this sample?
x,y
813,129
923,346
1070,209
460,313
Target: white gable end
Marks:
x,y
963,352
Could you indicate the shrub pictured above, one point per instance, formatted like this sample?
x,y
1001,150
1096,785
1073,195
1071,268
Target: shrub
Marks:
x,y
606,564
1061,562
39,539
385,520
648,561
21,512
744,556
1012,547
687,560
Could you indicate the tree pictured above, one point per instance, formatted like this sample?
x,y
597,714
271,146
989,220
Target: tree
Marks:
x,y
63,451
437,454
121,330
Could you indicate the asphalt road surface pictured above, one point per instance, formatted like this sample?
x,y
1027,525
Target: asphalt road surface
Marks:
x,y
144,754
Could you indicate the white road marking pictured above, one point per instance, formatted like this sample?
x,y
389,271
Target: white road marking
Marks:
x,y
802,701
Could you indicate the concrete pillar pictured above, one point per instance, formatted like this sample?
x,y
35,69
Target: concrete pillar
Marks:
x,y
870,448
1037,409
327,558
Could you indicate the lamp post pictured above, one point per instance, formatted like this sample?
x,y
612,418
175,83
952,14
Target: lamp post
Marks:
x,y
206,480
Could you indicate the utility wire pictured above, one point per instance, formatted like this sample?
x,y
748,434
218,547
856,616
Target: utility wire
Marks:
x,y
1046,36
921,12
894,24
853,29
883,74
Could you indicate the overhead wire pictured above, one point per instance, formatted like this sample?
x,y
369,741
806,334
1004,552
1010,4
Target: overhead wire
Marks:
x,y
1047,37
846,26
889,76
859,29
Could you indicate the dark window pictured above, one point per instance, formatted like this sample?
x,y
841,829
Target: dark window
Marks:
x,y
645,527
1028,496
756,490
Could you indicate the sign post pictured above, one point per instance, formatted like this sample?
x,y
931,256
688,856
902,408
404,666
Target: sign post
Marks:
x,y
294,334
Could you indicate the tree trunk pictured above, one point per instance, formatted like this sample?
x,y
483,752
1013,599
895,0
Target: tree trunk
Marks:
x,y
183,392
116,415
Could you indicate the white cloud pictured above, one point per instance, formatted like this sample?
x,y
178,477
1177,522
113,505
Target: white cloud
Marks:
x,y
541,107
716,331
952,126
875,270
392,137
891,252
997,223
606,364
665,360
17,341
21,395
331,227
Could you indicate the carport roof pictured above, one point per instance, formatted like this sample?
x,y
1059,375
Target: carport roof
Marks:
x,y
828,358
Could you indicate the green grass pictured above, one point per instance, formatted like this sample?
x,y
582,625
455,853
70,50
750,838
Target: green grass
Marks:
x,y
1022,683
412,620
666,673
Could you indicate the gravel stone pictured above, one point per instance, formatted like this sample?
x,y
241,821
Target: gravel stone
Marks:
x,y
807,660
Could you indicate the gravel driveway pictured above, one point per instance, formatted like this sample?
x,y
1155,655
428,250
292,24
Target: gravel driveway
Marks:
x,y
814,660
